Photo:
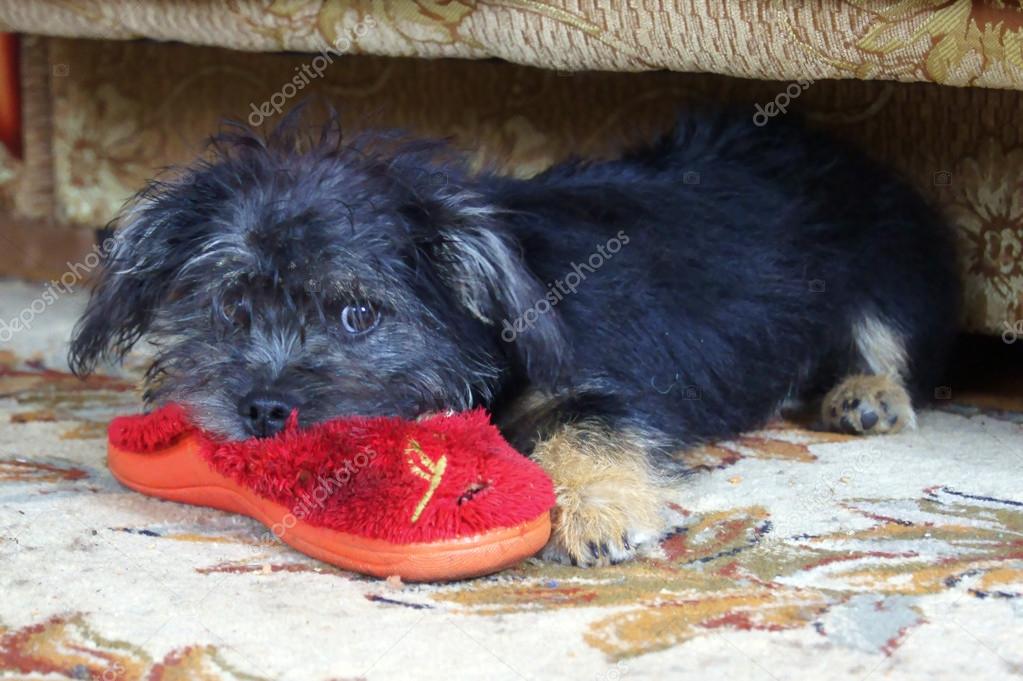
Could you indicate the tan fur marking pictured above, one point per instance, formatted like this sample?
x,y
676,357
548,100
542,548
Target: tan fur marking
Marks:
x,y
608,497
532,404
882,349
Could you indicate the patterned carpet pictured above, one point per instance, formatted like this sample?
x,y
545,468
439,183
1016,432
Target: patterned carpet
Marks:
x,y
797,555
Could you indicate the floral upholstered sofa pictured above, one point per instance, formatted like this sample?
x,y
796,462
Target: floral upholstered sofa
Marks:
x,y
115,89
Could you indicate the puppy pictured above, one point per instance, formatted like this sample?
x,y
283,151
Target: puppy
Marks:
x,y
607,313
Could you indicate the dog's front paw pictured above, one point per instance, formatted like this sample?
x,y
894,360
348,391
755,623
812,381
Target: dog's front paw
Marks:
x,y
609,501
868,405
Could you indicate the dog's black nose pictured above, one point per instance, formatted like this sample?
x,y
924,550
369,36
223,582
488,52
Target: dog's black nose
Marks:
x,y
264,413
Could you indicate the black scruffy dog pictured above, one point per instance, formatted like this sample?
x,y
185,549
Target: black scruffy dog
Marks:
x,y
608,313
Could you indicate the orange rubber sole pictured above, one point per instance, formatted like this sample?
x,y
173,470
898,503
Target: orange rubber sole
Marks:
x,y
179,473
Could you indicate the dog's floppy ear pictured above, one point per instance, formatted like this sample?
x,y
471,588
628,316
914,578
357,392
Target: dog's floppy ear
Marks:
x,y
138,270
461,234
490,279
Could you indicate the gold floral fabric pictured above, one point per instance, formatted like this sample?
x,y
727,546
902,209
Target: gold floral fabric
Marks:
x,y
123,110
953,42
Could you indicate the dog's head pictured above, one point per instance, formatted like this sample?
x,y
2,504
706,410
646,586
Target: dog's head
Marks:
x,y
370,277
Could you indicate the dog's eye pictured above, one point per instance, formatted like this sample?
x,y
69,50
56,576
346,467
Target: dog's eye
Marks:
x,y
235,312
359,317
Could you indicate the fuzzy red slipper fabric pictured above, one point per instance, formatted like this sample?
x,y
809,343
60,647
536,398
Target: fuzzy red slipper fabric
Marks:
x,y
441,498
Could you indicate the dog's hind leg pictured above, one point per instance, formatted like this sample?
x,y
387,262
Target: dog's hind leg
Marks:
x,y
873,400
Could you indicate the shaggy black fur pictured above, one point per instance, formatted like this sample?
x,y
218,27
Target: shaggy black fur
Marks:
x,y
716,273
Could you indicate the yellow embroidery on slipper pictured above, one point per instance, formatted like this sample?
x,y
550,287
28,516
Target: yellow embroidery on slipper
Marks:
x,y
427,469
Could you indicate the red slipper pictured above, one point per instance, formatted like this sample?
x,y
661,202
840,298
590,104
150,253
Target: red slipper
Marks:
x,y
439,499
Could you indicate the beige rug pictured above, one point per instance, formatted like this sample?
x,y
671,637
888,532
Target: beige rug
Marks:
x,y
797,555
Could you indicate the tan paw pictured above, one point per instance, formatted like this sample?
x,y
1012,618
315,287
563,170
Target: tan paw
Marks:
x,y
868,405
609,502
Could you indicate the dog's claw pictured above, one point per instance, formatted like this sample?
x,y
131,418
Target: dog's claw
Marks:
x,y
595,552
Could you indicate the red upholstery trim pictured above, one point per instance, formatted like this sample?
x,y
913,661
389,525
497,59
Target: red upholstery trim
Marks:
x,y
10,94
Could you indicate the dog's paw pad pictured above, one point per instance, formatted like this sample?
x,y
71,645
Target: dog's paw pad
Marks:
x,y
868,405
